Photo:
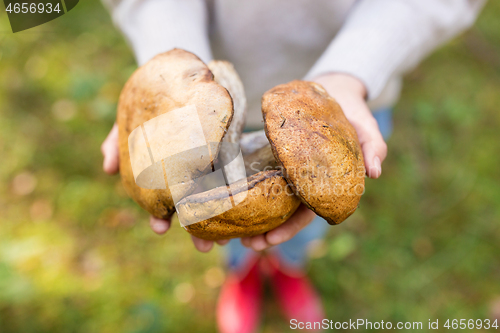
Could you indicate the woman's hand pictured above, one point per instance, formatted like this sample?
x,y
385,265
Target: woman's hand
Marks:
x,y
109,149
161,226
298,221
350,93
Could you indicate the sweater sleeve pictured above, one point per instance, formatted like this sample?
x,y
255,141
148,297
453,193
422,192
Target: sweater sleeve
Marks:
x,y
383,38
155,26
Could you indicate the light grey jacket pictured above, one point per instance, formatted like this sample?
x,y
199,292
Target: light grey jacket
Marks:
x,y
275,41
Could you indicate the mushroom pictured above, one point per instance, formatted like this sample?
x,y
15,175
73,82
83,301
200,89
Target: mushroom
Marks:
x,y
316,147
308,152
174,90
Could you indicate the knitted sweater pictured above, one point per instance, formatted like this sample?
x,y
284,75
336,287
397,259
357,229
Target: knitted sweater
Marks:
x,y
275,41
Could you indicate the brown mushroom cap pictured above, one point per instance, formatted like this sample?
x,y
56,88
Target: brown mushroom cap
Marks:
x,y
263,202
169,82
317,148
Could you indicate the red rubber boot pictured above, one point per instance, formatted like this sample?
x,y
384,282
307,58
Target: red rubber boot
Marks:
x,y
295,294
239,304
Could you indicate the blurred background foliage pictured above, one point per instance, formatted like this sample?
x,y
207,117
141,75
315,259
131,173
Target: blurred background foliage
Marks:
x,y
76,255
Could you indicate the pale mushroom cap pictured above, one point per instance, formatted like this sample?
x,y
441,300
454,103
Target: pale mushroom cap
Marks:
x,y
168,83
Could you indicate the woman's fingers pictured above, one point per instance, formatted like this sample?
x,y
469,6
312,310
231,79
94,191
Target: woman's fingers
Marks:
x,y
159,226
245,241
222,242
350,93
109,149
300,219
372,143
259,243
202,245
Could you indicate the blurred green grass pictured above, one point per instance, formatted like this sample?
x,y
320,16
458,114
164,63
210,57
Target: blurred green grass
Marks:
x,y
76,255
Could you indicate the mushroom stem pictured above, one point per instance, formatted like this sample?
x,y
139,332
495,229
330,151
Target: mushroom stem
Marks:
x,y
225,75
253,141
257,152
261,159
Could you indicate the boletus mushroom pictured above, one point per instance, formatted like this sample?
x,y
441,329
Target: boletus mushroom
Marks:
x,y
180,122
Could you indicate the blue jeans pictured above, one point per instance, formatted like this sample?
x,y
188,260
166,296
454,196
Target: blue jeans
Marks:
x,y
293,252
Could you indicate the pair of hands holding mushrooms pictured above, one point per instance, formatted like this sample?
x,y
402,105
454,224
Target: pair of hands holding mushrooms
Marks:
x,y
346,90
